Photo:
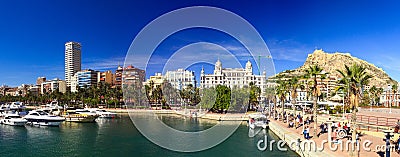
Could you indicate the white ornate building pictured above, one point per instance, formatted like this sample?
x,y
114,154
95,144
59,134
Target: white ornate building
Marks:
x,y
231,77
180,78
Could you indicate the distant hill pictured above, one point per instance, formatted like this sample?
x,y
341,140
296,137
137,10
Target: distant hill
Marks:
x,y
332,61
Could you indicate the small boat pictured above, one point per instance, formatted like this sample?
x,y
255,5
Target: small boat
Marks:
x,y
258,120
41,118
13,119
80,115
17,106
53,105
103,113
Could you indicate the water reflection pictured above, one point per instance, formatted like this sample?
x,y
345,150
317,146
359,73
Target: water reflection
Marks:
x,y
187,124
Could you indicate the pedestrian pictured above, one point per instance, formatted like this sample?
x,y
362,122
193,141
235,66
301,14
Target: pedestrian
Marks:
x,y
322,129
398,145
334,134
306,133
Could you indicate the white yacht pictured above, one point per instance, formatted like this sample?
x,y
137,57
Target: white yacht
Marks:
x,y
53,105
258,120
17,106
13,119
41,118
80,115
103,113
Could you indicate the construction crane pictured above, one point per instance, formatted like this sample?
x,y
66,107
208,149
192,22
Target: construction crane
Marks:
x,y
259,62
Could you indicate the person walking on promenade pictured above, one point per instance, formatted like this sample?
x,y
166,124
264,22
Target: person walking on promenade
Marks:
x,y
323,128
306,133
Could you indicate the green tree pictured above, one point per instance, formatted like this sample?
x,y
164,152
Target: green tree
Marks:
x,y
255,92
208,97
270,95
394,91
223,99
282,91
313,72
240,99
357,77
294,84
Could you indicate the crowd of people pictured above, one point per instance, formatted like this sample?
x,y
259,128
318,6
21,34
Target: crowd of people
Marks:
x,y
339,129
296,121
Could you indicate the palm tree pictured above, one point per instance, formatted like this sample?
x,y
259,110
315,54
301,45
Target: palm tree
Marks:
x,y
254,95
379,93
270,95
357,77
282,90
294,84
312,73
374,94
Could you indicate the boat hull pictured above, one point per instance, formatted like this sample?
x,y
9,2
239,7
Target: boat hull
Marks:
x,y
44,122
81,119
14,123
107,115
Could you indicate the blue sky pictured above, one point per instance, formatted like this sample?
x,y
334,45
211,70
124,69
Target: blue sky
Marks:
x,y
33,33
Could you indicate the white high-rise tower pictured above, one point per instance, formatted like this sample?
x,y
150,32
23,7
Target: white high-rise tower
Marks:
x,y
72,60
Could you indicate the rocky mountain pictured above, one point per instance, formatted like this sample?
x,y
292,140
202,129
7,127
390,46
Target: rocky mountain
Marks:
x,y
332,61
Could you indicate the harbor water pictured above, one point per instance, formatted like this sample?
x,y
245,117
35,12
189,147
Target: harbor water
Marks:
x,y
119,137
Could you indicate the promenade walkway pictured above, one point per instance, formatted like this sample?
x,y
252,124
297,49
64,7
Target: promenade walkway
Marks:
x,y
376,142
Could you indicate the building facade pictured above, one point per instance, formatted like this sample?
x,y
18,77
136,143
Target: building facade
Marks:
x,y
180,79
12,91
40,80
157,80
390,97
105,77
53,85
133,76
35,90
86,78
74,83
118,76
72,60
233,77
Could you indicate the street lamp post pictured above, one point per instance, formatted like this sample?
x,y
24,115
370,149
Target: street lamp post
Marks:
x,y
304,115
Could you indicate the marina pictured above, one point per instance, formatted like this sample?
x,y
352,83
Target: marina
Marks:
x,y
119,137
200,79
